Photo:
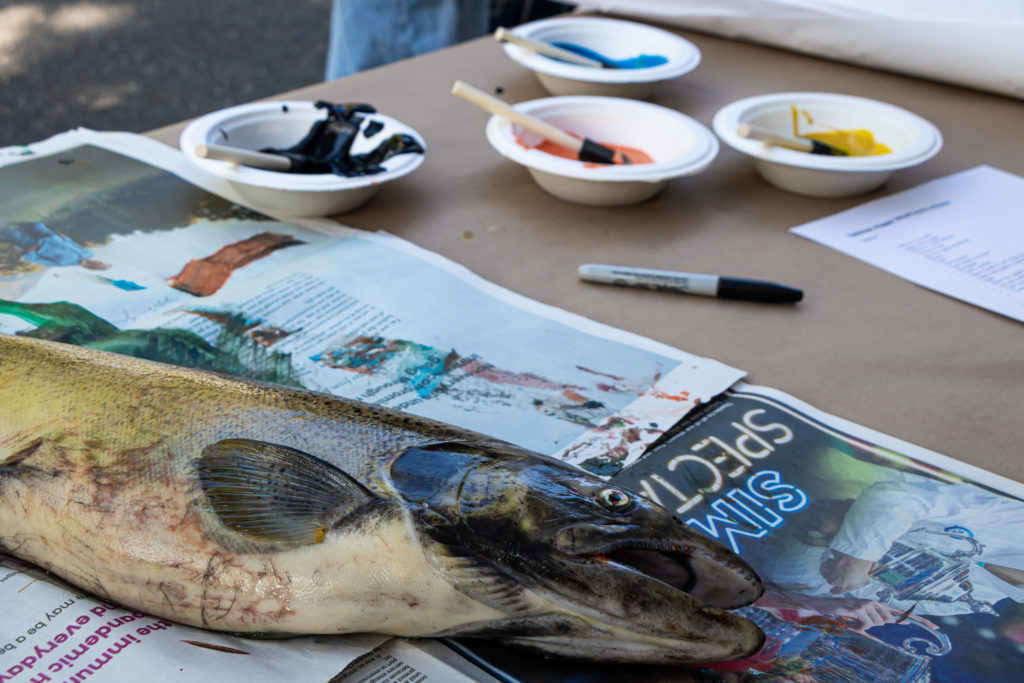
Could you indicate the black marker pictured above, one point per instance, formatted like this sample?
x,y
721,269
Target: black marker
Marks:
x,y
690,283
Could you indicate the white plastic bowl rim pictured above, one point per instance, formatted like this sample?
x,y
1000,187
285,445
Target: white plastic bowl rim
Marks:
x,y
204,130
728,119
698,157
683,56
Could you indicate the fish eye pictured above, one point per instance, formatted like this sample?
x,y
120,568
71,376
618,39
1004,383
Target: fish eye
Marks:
x,y
614,500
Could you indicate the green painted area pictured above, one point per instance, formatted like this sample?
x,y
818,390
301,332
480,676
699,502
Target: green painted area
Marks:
x,y
233,353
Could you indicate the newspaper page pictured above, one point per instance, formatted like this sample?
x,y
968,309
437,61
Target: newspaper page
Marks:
x,y
883,561
114,242
402,660
52,632
108,241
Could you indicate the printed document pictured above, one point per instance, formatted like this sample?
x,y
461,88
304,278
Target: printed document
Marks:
x,y
962,235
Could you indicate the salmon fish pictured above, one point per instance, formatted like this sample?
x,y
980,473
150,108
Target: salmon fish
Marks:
x,y
252,508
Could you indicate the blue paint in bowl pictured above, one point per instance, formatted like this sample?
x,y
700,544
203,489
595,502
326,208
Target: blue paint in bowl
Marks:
x,y
637,62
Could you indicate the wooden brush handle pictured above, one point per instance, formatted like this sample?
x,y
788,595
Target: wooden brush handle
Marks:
x,y
506,36
245,157
505,111
755,133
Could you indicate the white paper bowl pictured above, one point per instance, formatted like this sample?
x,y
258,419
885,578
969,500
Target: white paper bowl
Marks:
x,y
283,124
613,38
912,139
679,145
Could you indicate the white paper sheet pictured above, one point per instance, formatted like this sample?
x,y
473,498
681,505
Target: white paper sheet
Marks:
x,y
974,44
962,235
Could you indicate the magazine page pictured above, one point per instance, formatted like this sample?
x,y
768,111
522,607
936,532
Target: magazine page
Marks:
x,y
883,561
125,252
53,632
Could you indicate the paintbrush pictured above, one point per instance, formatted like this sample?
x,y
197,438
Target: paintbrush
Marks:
x,y
503,35
585,149
799,144
278,161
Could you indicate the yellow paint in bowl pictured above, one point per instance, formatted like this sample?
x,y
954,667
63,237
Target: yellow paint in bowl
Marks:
x,y
857,142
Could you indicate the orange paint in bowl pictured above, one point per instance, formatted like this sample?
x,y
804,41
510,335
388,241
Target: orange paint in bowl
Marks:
x,y
636,156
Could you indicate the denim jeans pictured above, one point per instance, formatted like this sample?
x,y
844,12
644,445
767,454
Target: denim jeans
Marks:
x,y
368,33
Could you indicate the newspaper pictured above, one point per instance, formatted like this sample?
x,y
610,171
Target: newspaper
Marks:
x,y
52,632
117,228
114,241
883,561
56,633
402,660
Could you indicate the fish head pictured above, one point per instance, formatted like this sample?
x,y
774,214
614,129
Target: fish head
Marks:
x,y
627,581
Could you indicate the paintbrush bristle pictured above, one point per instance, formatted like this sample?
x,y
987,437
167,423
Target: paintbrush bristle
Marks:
x,y
595,152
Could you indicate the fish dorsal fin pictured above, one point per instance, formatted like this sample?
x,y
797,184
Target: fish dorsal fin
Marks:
x,y
274,493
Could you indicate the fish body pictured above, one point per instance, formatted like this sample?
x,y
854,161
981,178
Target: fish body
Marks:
x,y
237,506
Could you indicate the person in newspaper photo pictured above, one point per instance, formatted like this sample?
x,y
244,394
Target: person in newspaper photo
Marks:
x,y
950,548
903,549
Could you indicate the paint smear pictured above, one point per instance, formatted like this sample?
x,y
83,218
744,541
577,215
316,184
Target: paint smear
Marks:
x,y
126,285
214,646
486,371
327,147
203,277
682,396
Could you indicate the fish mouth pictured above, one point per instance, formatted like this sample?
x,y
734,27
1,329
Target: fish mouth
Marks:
x,y
653,592
694,566
666,564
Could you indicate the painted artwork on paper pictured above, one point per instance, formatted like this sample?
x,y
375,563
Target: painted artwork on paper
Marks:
x,y
101,249
204,276
123,238
415,372
240,349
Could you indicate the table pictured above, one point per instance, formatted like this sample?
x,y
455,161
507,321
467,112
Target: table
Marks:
x,y
863,345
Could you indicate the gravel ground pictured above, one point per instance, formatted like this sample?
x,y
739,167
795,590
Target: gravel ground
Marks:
x,y
136,65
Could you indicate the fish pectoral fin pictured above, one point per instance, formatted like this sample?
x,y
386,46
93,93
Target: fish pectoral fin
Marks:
x,y
275,493
481,580
11,462
535,625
